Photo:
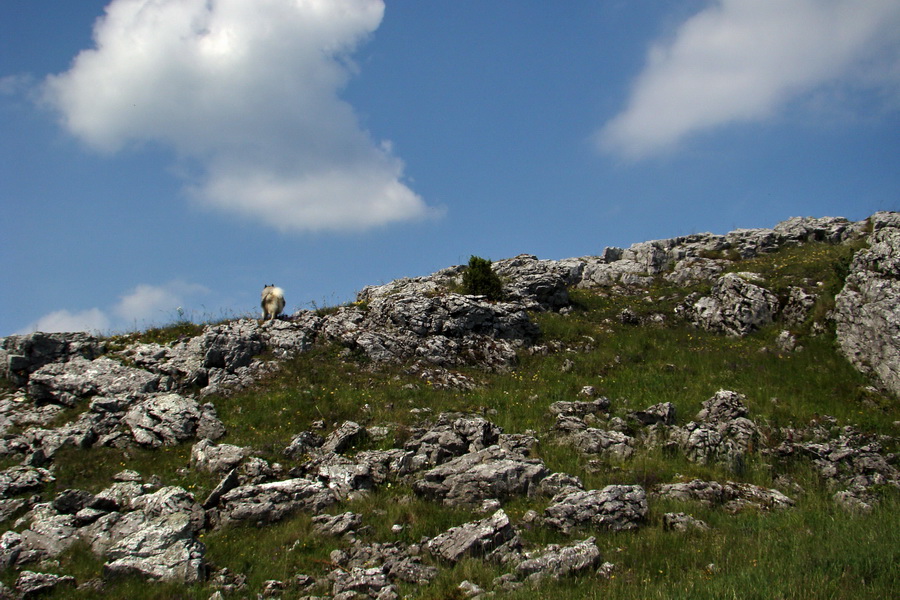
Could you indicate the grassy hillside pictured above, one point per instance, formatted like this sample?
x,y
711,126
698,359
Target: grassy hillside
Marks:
x,y
815,550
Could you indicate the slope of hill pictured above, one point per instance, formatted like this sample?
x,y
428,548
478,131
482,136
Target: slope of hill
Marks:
x,y
701,417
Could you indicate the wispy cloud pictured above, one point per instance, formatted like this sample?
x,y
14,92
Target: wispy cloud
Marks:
x,y
744,60
92,320
250,92
142,306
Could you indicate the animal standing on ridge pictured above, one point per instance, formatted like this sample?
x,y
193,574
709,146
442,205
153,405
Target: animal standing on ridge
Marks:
x,y
272,302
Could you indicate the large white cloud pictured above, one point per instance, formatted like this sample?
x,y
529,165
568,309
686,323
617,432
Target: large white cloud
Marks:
x,y
743,60
250,92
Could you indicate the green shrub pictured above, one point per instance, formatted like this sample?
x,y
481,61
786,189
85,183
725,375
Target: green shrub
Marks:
x,y
479,279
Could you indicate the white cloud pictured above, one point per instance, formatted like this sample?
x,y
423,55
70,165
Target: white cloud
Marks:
x,y
743,60
248,90
151,303
143,306
93,320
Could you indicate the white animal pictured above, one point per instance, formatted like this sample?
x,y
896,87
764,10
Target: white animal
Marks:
x,y
272,302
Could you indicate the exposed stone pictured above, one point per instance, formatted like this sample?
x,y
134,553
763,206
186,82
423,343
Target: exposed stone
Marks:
x,y
733,496
396,561
721,433
445,330
170,419
580,408
735,306
362,582
216,458
342,438
22,355
491,538
556,561
344,477
866,317
10,549
453,435
303,443
16,480
336,525
171,500
67,383
614,508
608,444
695,270
798,306
538,284
269,502
849,460
492,473
49,533
69,502
663,413
162,548
31,585
682,522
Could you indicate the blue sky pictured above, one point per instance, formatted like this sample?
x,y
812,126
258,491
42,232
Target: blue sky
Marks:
x,y
167,158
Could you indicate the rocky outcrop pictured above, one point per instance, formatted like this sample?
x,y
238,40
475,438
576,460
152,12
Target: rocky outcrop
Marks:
x,y
614,508
702,256
736,306
22,355
135,529
491,473
734,497
853,464
67,383
265,503
171,418
556,561
492,538
721,432
445,330
866,316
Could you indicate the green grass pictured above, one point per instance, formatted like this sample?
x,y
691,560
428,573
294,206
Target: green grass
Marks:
x,y
814,550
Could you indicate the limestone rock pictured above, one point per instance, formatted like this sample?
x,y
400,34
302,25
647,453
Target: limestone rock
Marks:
x,y
162,548
492,473
866,317
493,537
216,458
445,330
342,438
663,414
270,502
453,435
22,355
171,418
608,444
537,284
336,525
682,522
735,306
721,432
32,585
67,383
733,496
16,480
614,508
358,582
556,561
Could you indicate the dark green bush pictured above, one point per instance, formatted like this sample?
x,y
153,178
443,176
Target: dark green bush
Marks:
x,y
479,279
